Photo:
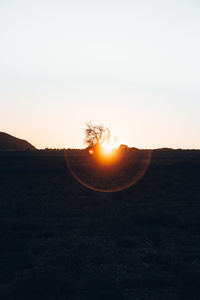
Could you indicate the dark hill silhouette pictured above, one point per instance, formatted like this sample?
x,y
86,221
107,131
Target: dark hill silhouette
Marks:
x,y
9,142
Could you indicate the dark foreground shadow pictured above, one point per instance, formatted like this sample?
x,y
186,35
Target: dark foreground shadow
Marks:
x,y
60,240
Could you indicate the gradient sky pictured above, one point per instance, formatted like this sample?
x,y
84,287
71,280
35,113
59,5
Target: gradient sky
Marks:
x,y
132,65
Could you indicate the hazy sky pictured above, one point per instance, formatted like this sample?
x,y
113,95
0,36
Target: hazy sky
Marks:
x,y
129,64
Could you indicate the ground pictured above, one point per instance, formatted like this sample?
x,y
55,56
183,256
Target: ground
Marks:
x,y
60,240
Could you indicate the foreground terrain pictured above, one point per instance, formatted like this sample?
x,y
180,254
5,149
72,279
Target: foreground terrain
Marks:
x,y
60,240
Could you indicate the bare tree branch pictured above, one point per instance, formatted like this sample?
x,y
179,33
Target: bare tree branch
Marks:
x,y
96,134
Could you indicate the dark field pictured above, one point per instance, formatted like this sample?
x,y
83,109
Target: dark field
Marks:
x,y
60,240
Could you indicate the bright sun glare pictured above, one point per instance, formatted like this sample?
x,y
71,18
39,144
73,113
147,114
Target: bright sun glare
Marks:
x,y
107,148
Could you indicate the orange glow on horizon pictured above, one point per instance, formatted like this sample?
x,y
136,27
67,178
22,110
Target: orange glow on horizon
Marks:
x,y
107,155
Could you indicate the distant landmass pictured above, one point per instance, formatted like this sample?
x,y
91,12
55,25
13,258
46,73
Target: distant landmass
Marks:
x,y
9,142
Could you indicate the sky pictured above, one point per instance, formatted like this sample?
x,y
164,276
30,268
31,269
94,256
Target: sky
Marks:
x,y
131,65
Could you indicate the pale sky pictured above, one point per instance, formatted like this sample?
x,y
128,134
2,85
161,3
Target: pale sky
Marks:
x,y
132,65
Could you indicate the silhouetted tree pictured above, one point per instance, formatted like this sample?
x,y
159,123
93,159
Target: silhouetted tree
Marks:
x,y
96,134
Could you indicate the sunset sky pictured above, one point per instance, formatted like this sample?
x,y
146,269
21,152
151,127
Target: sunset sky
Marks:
x,y
132,65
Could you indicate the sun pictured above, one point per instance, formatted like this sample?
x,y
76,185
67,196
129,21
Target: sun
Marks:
x,y
107,148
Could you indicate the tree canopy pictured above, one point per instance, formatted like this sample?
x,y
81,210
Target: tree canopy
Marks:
x,y
96,134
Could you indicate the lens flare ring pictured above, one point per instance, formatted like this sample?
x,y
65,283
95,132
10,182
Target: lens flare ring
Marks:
x,y
108,169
